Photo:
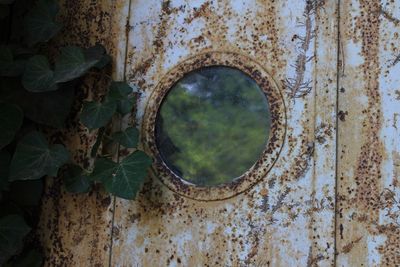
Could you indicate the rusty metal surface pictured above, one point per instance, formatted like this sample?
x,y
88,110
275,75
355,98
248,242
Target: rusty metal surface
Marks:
x,y
286,219
368,221
268,157
75,230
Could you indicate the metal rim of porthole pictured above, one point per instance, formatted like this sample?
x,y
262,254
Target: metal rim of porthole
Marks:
x,y
268,157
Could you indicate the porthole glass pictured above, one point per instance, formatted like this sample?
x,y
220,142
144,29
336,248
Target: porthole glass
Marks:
x,y
213,125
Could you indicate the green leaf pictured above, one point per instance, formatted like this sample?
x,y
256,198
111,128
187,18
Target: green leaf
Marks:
x,y
33,158
10,67
74,62
75,180
98,52
119,90
48,108
5,159
97,114
40,24
13,230
38,77
11,118
125,106
128,138
32,259
122,179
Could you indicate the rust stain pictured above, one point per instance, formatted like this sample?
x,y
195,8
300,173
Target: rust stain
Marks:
x,y
368,173
347,248
367,203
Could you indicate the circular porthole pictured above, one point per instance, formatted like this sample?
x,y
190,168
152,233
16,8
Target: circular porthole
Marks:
x,y
208,116
215,125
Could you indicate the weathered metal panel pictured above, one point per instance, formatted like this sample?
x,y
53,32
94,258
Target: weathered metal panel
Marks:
x,y
287,218
368,221
75,230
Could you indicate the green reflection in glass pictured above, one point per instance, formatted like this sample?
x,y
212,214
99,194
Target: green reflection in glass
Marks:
x,y
213,125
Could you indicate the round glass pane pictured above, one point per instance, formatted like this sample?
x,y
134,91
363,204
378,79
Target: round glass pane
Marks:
x,y
213,125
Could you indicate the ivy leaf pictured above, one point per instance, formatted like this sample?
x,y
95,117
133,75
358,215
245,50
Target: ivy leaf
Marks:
x,y
122,179
38,77
74,62
128,138
33,158
119,90
11,118
5,159
97,114
13,230
75,181
48,108
10,67
40,24
98,52
125,106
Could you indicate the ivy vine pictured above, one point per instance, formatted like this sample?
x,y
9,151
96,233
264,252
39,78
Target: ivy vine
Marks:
x,y
37,92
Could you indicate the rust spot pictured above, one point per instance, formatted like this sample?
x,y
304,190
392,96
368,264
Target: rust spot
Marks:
x,y
342,115
347,248
199,12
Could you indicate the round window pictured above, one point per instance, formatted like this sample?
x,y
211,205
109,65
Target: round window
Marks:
x,y
213,125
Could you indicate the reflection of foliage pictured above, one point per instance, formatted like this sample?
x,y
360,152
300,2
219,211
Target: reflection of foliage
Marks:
x,y
213,126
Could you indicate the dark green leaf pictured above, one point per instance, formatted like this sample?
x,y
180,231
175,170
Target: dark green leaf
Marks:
x,y
98,52
13,230
74,62
33,158
31,259
48,108
125,106
96,114
38,76
128,138
104,61
8,65
119,90
75,180
11,118
40,24
123,179
5,159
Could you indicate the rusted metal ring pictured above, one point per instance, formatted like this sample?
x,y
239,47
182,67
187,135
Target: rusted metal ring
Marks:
x,y
271,152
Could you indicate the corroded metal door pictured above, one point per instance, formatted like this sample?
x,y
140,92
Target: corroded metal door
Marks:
x,y
281,214
325,190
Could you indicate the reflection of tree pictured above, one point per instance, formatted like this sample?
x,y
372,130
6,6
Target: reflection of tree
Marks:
x,y
213,126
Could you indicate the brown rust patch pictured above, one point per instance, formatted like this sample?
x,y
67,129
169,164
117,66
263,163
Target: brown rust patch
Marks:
x,y
347,248
368,173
